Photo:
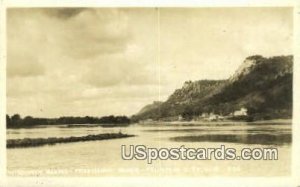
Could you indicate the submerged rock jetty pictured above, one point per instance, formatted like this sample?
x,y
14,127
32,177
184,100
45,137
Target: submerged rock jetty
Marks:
x,y
33,142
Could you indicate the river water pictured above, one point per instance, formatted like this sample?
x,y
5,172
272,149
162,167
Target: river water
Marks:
x,y
103,158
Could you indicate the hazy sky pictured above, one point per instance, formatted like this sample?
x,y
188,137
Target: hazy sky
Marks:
x,y
97,62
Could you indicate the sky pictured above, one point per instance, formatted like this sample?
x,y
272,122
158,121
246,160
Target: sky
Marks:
x,y
109,61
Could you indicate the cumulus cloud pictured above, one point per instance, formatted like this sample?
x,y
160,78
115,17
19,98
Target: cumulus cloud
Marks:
x,y
57,56
116,70
82,61
24,65
93,33
63,13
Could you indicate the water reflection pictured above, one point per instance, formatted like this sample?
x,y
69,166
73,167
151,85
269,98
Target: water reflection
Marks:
x,y
263,139
215,130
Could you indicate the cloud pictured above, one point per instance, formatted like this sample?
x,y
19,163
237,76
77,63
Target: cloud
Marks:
x,y
115,70
57,56
63,13
195,43
78,33
81,61
92,33
24,65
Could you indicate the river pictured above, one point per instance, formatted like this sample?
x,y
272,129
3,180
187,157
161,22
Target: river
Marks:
x,y
103,158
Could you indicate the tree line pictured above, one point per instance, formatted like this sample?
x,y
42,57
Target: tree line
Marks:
x,y
16,120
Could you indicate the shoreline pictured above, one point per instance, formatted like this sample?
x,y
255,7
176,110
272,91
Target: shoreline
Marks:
x,y
283,121
69,126
35,142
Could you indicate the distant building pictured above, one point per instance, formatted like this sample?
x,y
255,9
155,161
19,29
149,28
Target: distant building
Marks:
x,y
204,115
212,117
215,117
242,112
180,118
221,117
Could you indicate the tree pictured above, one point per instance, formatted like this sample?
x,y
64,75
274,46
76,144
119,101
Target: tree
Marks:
x,y
8,121
16,119
28,120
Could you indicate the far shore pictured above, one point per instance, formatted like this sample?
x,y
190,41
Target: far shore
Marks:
x,y
68,126
202,122
34,142
277,121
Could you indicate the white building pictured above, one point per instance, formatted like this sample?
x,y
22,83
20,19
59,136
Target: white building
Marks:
x,y
242,112
212,117
204,115
180,118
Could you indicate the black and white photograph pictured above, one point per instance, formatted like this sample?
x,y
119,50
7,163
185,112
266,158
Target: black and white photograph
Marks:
x,y
150,91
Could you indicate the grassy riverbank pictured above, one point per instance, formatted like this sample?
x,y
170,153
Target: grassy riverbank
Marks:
x,y
33,142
